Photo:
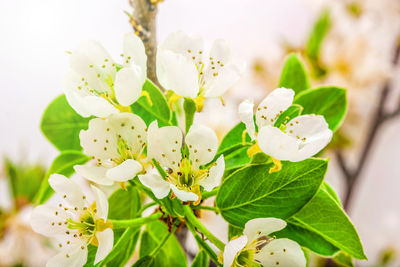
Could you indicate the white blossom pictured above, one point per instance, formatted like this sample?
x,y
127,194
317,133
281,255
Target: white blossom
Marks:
x,y
185,174
256,247
74,223
184,67
96,85
296,140
116,145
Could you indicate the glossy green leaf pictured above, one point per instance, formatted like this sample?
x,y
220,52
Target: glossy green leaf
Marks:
x,y
62,164
294,75
61,125
171,254
324,217
233,140
330,101
156,110
252,192
325,186
292,112
201,259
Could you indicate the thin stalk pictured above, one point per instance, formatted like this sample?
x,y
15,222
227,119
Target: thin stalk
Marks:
x,y
121,224
192,219
145,207
208,194
214,209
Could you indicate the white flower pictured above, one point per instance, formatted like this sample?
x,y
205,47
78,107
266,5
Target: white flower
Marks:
x,y
116,144
296,140
257,248
74,223
96,85
185,174
185,68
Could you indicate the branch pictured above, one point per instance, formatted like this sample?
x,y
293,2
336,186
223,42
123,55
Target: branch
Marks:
x,y
143,21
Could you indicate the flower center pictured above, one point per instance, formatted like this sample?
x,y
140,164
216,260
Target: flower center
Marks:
x,y
186,176
246,256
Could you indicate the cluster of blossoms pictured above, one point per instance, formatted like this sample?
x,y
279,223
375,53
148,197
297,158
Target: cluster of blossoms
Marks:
x,y
123,147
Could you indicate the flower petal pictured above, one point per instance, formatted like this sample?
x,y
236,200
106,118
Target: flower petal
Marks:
x,y
125,171
273,105
184,195
221,51
203,144
106,242
164,145
220,80
131,128
101,203
45,220
246,116
128,85
276,143
177,73
134,48
74,256
215,175
282,252
68,189
159,186
181,43
99,140
96,174
99,107
232,249
312,134
262,227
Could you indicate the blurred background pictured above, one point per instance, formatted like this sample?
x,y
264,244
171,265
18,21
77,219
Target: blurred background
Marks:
x,y
357,52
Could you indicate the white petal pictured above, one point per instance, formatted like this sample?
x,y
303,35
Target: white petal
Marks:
x,y
68,189
273,105
128,85
45,220
312,135
164,145
203,144
125,171
215,175
99,107
131,128
184,195
219,81
101,203
181,43
221,51
177,73
73,256
106,242
134,48
246,116
159,186
262,227
284,251
276,143
232,249
96,174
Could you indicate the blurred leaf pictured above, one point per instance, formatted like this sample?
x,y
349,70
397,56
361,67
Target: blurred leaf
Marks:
x,y
145,261
317,35
343,259
262,194
294,75
171,254
330,101
189,106
61,125
62,164
234,231
201,259
156,110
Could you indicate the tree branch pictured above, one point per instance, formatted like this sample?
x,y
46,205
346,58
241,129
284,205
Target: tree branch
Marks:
x,y
143,21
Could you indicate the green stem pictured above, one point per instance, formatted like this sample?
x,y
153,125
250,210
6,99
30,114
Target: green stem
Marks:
x,y
214,209
118,224
208,194
145,207
192,219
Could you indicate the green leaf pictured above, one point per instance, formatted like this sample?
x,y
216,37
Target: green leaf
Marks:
x,y
201,259
233,140
343,260
292,112
234,231
62,164
318,33
325,186
145,261
61,125
330,101
171,254
156,110
262,194
236,159
324,217
294,75
189,106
